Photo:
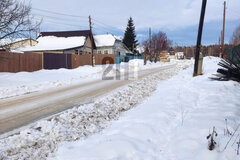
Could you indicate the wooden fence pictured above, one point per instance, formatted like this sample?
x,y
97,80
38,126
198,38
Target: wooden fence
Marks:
x,y
29,62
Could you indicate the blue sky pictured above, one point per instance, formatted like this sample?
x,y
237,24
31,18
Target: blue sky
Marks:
x,y
178,18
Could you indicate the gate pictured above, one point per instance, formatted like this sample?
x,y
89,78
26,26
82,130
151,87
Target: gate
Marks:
x,y
56,61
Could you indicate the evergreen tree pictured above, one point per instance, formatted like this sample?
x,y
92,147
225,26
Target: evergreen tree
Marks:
x,y
130,37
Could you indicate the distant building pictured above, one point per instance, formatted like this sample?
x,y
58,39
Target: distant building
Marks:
x,y
179,55
109,44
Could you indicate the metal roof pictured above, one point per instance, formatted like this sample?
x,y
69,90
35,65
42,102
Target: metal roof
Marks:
x,y
78,33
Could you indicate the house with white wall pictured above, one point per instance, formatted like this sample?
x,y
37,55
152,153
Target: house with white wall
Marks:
x,y
78,42
110,44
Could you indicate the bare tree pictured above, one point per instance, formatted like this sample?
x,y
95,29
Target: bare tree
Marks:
x,y
236,36
15,20
158,43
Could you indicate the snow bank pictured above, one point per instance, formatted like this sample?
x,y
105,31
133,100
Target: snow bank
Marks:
x,y
42,140
15,84
172,124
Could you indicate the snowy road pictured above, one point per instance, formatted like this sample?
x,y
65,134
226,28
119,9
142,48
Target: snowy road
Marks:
x,y
19,111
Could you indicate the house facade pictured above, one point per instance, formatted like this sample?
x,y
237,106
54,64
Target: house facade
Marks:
x,y
63,42
109,44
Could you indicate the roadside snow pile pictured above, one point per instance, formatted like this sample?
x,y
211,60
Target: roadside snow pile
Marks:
x,y
138,64
172,124
43,139
15,84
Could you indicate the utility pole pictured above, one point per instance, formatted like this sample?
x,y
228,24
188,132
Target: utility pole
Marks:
x,y
91,39
199,38
223,31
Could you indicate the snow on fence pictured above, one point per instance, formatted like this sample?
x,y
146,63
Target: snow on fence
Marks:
x,y
29,62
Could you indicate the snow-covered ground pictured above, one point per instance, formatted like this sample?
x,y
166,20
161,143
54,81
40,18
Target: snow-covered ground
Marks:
x,y
14,84
41,140
172,124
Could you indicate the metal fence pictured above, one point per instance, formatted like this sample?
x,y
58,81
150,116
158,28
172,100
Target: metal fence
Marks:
x,y
126,58
17,62
14,62
105,59
81,60
56,61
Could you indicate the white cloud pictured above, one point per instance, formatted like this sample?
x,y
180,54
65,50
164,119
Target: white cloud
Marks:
x,y
158,14
155,13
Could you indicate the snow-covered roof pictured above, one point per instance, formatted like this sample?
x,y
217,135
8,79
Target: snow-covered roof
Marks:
x,y
105,40
78,33
50,43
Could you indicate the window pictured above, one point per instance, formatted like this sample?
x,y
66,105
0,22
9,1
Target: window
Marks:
x,y
80,52
76,51
106,52
99,52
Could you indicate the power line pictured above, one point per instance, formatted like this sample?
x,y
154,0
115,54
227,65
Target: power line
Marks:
x,y
97,22
58,13
105,28
108,26
108,29
102,23
55,20
57,23
101,31
53,17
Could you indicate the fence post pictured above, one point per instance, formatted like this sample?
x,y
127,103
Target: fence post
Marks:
x,y
42,60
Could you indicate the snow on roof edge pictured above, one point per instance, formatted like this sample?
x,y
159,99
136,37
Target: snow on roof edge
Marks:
x,y
52,43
